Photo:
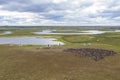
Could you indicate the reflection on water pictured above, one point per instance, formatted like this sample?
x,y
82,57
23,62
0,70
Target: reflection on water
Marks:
x,y
29,41
6,32
79,32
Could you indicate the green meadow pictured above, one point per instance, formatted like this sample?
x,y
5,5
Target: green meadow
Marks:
x,y
40,63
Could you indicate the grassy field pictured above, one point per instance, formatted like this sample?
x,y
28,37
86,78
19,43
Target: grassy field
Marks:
x,y
31,63
39,63
109,39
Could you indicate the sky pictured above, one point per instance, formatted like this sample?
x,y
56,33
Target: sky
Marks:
x,y
59,12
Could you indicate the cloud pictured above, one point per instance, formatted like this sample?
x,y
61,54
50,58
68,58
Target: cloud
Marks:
x,y
79,12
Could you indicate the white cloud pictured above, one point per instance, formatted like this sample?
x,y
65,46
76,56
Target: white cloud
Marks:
x,y
59,1
63,12
15,14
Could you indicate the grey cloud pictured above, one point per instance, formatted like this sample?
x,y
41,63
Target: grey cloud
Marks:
x,y
32,7
60,13
17,1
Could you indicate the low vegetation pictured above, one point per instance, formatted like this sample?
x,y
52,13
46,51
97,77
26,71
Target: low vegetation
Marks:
x,y
33,63
54,63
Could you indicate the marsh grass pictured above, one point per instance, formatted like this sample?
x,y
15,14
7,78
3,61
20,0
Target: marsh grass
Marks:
x,y
23,63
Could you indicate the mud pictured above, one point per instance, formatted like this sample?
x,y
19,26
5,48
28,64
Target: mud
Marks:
x,y
95,54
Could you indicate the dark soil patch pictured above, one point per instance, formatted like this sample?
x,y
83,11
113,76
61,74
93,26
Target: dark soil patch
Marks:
x,y
95,54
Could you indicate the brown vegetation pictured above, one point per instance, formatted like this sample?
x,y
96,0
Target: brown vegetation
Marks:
x,y
96,54
29,63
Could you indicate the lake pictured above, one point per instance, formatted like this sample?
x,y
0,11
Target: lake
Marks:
x,y
6,32
30,41
79,32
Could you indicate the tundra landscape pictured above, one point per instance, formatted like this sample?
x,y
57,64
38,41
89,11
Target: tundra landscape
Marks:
x,y
59,40
80,57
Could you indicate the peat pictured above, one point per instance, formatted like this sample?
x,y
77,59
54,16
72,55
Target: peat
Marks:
x,y
95,54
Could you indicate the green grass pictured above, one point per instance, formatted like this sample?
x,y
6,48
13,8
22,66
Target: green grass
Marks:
x,y
110,39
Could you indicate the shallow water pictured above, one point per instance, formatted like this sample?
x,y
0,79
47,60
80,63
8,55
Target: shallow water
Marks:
x,y
29,41
79,32
6,32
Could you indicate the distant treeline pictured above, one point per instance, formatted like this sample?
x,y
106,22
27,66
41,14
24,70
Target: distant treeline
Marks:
x,y
63,27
